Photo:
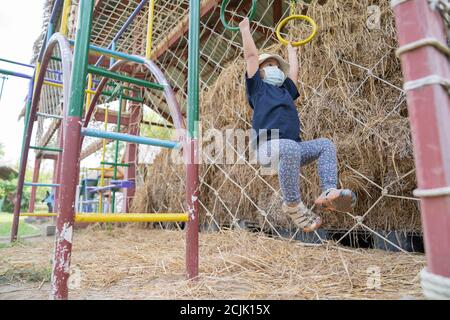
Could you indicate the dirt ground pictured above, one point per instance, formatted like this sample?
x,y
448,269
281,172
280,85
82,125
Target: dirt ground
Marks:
x,y
135,263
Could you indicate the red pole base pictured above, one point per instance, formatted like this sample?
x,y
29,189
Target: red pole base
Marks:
x,y
192,194
66,216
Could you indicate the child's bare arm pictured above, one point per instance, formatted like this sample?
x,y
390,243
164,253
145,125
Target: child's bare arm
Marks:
x,y
293,61
250,51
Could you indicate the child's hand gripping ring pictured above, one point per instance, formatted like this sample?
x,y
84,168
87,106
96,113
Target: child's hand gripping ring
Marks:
x,y
225,3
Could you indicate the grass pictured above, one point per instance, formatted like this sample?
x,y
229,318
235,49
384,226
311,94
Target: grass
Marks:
x,y
25,229
33,274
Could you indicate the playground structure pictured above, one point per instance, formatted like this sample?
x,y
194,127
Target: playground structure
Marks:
x,y
169,54
74,72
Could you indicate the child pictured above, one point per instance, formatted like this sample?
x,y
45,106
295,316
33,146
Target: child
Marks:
x,y
49,200
271,91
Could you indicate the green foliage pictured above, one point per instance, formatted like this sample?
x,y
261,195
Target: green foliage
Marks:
x,y
8,189
155,132
33,274
25,229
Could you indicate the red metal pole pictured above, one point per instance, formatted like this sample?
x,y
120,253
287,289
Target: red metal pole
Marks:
x,y
192,198
37,168
70,160
66,216
429,113
131,153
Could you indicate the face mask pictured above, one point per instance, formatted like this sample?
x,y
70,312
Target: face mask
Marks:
x,y
274,76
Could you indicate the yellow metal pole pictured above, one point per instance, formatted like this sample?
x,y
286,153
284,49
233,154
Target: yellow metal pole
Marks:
x,y
65,18
59,85
41,215
151,16
36,75
88,95
136,217
120,218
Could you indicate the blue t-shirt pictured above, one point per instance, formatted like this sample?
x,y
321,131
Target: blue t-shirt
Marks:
x,y
273,108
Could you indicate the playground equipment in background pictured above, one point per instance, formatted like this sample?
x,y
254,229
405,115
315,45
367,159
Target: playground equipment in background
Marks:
x,y
118,92
85,200
293,17
75,71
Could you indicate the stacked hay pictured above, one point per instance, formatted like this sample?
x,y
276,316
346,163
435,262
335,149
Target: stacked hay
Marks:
x,y
350,85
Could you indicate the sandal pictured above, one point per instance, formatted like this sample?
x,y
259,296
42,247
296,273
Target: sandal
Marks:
x,y
303,217
343,200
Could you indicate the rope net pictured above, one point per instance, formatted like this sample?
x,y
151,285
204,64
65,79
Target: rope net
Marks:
x,y
351,87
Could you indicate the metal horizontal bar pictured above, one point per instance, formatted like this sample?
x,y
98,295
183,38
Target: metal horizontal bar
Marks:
x,y
115,164
42,215
109,94
15,74
50,116
112,75
17,63
44,185
59,84
120,218
112,53
129,138
46,149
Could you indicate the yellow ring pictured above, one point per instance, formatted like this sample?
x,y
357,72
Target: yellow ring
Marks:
x,y
296,17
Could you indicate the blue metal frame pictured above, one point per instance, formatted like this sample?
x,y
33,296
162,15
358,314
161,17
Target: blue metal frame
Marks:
x,y
129,138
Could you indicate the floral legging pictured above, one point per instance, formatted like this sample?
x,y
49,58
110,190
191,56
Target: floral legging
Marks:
x,y
289,155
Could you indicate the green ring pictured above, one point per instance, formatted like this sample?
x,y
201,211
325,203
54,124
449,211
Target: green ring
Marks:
x,y
222,14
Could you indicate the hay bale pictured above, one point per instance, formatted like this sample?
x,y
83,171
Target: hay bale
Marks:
x,y
350,86
135,263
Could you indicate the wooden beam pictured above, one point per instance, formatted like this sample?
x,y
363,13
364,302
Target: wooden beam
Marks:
x,y
178,32
100,116
277,12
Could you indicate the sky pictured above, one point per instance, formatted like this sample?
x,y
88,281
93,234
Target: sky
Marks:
x,y
20,26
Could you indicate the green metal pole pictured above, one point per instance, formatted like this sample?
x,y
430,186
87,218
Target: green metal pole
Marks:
x,y
109,94
116,155
80,63
193,76
116,76
115,164
46,149
71,154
